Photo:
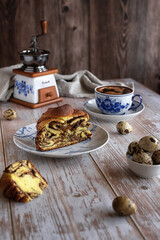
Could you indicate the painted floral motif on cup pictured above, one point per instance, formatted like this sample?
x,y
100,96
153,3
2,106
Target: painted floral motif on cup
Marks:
x,y
114,106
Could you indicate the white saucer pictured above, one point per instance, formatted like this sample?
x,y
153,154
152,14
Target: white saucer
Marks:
x,y
24,138
91,108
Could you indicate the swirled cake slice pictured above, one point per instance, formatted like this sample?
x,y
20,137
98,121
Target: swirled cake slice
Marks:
x,y
22,182
60,127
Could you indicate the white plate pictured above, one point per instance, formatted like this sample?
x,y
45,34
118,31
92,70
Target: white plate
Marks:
x,y
24,138
91,107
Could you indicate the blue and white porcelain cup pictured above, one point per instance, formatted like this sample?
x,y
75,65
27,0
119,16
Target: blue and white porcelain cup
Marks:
x,y
116,99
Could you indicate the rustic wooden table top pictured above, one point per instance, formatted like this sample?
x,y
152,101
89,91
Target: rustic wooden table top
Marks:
x,y
78,202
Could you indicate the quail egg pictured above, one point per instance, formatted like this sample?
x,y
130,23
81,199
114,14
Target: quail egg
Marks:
x,y
10,114
124,127
124,206
148,143
133,147
156,157
142,157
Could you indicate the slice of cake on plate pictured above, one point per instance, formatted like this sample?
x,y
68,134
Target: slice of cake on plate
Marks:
x,y
61,126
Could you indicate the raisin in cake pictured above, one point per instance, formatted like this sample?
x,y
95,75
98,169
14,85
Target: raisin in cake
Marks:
x,y
60,127
22,182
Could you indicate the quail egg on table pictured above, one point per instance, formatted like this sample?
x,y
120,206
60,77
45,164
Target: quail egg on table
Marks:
x,y
124,127
156,157
10,114
148,143
124,206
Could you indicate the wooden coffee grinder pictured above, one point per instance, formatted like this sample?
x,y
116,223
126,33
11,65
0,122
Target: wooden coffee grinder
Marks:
x,y
35,84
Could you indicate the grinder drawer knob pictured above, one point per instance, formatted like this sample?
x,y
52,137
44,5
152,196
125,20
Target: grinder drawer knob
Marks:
x,y
46,94
49,94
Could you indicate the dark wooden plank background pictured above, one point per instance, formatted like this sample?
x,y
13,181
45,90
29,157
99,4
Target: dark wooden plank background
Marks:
x,y
111,38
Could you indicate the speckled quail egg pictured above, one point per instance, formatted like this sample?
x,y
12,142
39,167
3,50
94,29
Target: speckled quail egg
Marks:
x,y
10,114
142,157
124,206
156,157
133,147
148,143
124,127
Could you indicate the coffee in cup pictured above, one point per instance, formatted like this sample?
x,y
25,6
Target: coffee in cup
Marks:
x,y
115,99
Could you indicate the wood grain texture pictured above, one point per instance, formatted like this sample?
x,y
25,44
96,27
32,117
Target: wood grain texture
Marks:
x,y
104,25
112,39
74,48
6,230
78,202
112,161
118,33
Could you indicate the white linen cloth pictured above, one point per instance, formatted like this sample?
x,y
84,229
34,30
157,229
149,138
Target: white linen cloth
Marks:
x,y
77,85
7,82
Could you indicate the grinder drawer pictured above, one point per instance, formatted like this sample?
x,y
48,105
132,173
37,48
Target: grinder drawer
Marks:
x,y
46,94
